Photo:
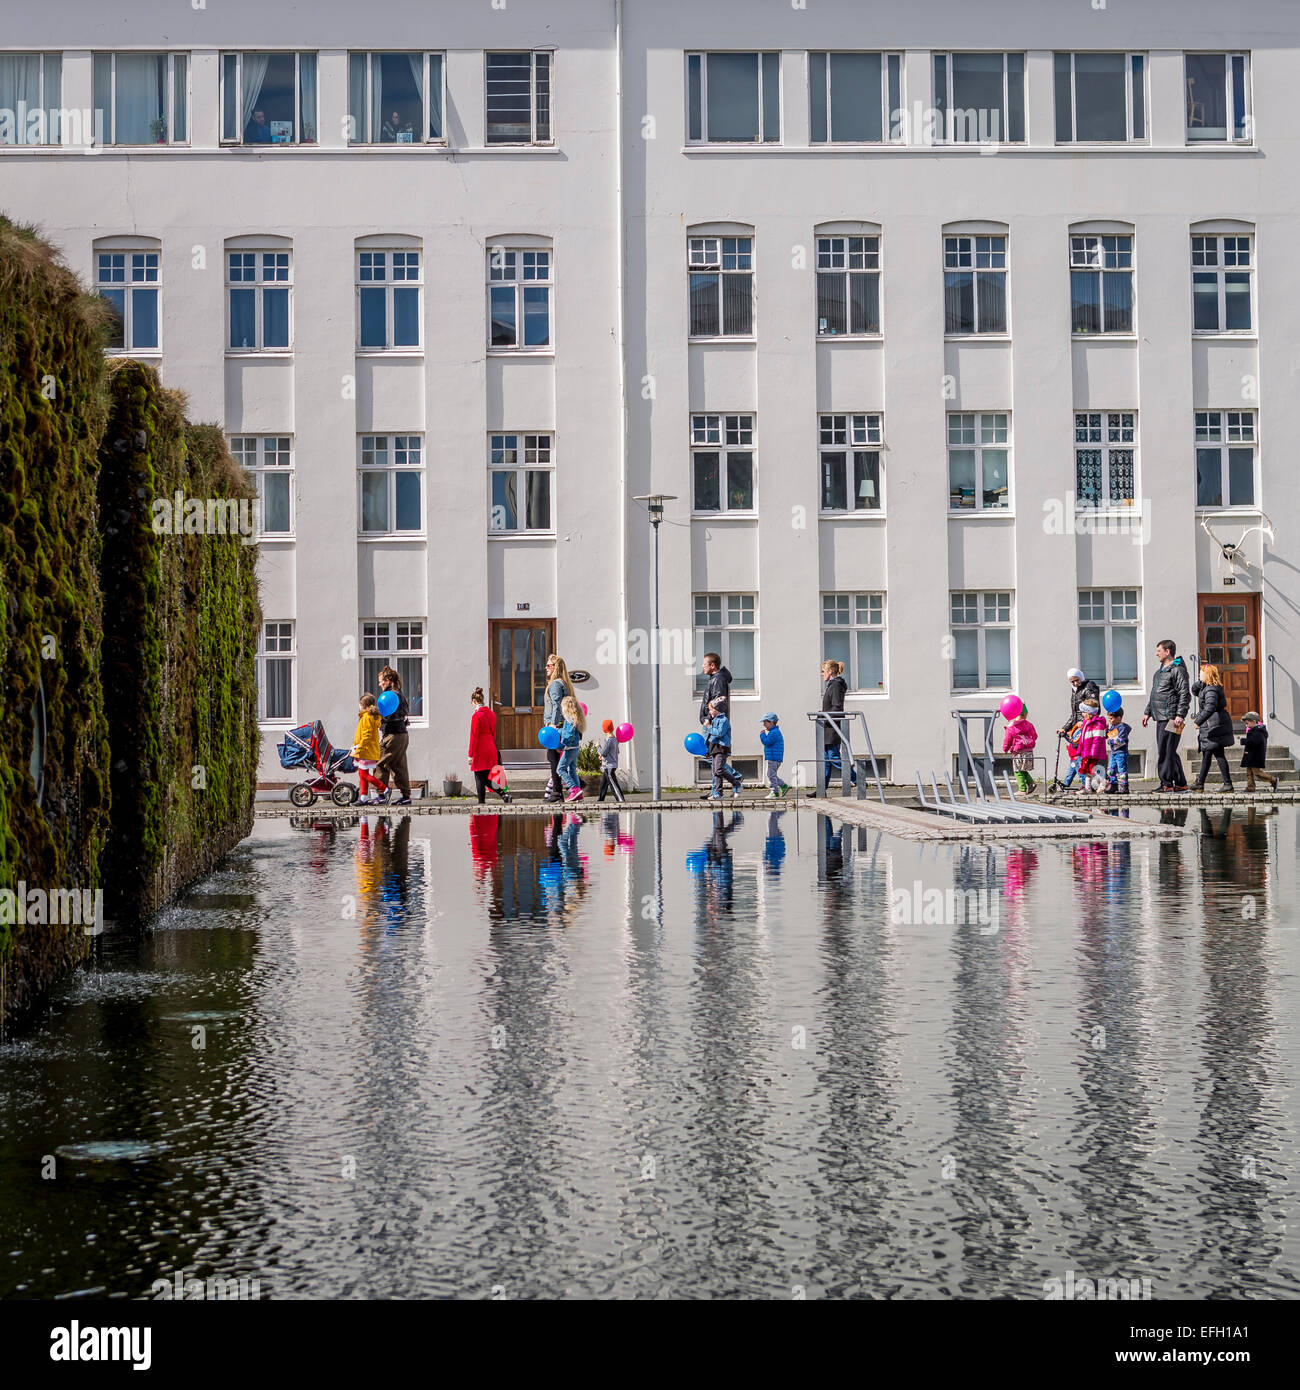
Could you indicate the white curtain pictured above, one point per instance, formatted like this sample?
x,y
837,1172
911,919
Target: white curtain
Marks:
x,y
307,96
416,61
19,94
141,97
254,70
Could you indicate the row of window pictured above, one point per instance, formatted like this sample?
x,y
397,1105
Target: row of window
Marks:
x,y
721,285
855,98
721,291
853,627
724,472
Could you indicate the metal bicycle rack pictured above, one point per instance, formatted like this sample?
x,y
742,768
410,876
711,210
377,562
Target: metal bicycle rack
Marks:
x,y
842,724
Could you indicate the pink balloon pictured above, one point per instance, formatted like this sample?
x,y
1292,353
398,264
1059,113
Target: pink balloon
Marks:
x,y
623,733
584,709
1011,706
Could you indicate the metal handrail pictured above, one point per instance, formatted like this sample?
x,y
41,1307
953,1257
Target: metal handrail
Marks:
x,y
1272,686
848,759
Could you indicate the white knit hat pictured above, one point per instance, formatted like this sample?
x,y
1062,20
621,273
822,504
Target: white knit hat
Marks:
x,y
1074,674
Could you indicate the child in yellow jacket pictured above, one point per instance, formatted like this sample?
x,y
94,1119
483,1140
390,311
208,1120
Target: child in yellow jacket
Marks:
x,y
365,748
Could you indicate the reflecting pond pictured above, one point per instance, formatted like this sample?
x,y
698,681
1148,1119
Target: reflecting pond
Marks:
x,y
699,1054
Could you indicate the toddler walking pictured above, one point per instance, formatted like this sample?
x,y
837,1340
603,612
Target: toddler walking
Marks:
x,y
575,725
1117,733
717,735
609,763
1092,745
1020,740
365,749
1255,751
773,741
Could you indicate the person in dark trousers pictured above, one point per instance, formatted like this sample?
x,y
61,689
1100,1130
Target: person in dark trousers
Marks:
x,y
717,686
483,754
558,685
719,746
609,762
1081,689
393,740
834,689
1255,751
1170,699
1214,725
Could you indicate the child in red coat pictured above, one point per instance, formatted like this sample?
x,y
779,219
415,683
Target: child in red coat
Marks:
x,y
1019,740
1092,745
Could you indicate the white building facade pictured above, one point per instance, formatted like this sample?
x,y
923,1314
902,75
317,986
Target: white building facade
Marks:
x,y
962,339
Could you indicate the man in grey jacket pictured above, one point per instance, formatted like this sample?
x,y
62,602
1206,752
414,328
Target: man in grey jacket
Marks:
x,y
1171,698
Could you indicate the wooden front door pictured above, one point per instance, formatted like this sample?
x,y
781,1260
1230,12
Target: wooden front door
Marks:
x,y
1229,625
518,652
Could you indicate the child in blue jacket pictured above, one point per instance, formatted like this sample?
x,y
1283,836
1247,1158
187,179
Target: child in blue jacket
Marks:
x,y
773,741
575,725
717,735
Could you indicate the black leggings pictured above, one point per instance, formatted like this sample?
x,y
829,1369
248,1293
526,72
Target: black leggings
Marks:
x,y
609,782
481,782
1209,755
553,762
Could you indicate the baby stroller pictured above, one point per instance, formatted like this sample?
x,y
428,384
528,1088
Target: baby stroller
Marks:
x,y
308,747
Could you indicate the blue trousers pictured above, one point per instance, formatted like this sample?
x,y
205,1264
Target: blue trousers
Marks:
x,y
568,768
1117,769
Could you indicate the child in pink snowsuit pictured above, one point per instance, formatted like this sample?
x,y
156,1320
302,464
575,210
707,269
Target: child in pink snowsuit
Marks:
x,y
1019,741
1092,743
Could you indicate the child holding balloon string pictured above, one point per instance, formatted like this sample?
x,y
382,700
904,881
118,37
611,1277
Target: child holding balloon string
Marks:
x,y
1020,740
575,725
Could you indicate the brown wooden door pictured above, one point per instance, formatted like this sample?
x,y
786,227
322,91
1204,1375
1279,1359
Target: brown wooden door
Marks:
x,y
1230,640
517,653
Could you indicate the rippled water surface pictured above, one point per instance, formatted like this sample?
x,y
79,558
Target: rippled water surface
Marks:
x,y
689,1055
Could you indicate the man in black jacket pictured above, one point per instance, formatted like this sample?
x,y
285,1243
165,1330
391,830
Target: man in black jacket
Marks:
x,y
1171,698
1081,689
717,686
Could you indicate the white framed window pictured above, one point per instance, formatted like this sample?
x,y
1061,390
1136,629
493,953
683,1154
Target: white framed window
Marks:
x,y
720,273
143,98
725,623
980,97
848,286
849,450
1218,97
1108,635
388,299
981,639
519,298
974,284
268,98
722,463
855,98
128,280
1223,275
1100,98
259,285
1105,459
395,99
401,644
268,460
1226,462
31,97
853,632
520,471
518,106
979,461
733,98
392,484
1101,283
276,663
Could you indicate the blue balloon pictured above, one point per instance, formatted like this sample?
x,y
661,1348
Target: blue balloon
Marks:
x,y
388,703
548,736
697,861
694,743
1111,701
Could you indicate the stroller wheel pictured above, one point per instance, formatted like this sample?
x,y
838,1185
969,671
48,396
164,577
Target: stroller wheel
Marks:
x,y
343,794
302,795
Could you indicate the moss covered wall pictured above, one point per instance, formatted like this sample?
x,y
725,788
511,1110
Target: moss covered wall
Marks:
x,y
52,412
144,644
180,633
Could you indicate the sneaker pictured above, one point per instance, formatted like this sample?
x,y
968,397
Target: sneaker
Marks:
x,y
576,794
785,788
401,801
774,795
708,796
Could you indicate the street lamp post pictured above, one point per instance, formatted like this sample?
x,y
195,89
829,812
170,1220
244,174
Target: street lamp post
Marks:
x,y
655,506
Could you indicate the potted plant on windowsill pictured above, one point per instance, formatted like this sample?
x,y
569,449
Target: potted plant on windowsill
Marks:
x,y
589,766
451,785
158,129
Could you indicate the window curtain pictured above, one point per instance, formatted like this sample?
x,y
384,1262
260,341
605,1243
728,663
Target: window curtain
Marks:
x,y
357,97
377,113
307,96
19,83
416,60
253,73
141,97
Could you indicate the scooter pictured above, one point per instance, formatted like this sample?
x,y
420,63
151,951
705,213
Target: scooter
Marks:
x,y
1056,785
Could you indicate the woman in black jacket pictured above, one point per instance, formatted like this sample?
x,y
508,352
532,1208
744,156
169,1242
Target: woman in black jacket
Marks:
x,y
1214,725
834,688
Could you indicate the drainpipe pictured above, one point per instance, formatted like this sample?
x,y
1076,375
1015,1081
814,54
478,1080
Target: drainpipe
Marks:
x,y
620,333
